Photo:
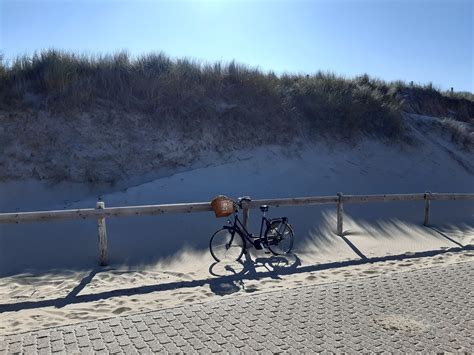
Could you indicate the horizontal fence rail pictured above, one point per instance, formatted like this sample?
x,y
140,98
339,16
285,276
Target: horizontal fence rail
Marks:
x,y
38,216
101,212
382,198
104,212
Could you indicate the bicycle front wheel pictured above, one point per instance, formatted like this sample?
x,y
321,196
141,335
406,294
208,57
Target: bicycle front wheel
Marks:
x,y
226,245
279,235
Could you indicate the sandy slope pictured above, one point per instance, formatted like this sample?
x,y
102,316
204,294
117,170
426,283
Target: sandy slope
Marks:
x,y
49,269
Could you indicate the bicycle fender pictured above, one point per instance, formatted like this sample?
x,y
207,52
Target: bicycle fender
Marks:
x,y
282,219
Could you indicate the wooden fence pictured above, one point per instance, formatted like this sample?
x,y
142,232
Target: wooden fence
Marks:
x,y
101,212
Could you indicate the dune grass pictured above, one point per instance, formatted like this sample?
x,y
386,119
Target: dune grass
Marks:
x,y
186,92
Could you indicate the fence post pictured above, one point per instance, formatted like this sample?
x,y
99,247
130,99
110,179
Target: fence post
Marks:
x,y
102,235
340,211
427,208
245,213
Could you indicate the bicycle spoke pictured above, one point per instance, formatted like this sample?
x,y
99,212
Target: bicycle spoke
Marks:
x,y
225,246
280,238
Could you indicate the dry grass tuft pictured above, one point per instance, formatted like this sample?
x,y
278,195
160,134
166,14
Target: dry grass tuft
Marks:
x,y
228,95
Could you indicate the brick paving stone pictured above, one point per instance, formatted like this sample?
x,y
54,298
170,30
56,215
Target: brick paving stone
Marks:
x,y
132,333
57,345
80,331
171,348
129,349
147,335
83,341
141,326
94,334
103,327
163,338
43,351
108,337
98,344
428,310
155,346
15,348
29,349
123,340
126,323
117,330
170,331
72,348
196,344
139,343
162,322
42,342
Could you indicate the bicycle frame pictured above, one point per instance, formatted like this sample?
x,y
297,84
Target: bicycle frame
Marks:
x,y
265,240
240,228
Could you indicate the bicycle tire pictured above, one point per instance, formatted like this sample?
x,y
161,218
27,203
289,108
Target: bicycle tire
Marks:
x,y
279,236
221,251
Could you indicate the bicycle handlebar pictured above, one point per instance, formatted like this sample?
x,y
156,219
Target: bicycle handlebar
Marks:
x,y
238,204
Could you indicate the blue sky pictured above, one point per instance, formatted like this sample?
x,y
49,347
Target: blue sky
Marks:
x,y
414,40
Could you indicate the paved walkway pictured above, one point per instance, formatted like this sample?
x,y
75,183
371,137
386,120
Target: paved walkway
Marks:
x,y
425,310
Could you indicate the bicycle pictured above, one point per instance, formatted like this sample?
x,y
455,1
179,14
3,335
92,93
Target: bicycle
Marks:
x,y
230,242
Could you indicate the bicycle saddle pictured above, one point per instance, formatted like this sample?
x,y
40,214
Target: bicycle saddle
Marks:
x,y
264,208
244,198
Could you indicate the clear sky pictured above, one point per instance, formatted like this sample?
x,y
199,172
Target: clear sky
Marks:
x,y
415,40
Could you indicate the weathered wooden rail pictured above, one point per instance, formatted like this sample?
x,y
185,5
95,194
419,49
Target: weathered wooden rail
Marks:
x,y
101,212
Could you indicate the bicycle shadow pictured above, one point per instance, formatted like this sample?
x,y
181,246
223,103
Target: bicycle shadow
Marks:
x,y
230,276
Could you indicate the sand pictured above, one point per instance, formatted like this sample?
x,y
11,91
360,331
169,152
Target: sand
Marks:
x,y
49,274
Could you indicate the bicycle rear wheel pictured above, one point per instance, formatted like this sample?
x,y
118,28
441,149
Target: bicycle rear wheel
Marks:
x,y
279,235
226,245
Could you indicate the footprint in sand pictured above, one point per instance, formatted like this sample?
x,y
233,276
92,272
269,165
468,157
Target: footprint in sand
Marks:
x,y
250,289
121,310
310,277
74,315
184,293
370,272
177,274
104,278
269,281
